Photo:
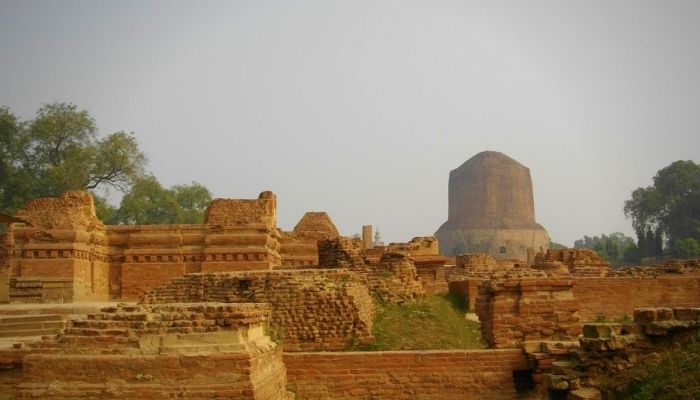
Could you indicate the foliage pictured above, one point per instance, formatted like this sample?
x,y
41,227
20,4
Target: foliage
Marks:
x,y
434,323
675,375
193,200
60,150
612,247
149,202
555,245
669,209
685,248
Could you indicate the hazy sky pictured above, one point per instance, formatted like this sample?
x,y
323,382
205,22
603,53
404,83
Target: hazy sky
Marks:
x,y
362,108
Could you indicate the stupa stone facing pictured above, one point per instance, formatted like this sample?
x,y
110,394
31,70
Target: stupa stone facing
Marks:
x,y
491,209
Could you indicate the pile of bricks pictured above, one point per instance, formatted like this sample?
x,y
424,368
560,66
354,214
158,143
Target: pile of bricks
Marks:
x,y
311,309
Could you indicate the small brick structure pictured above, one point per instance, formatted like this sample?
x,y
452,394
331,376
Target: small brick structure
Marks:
x,y
514,311
195,350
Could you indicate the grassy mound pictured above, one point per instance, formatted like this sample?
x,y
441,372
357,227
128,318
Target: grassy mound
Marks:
x,y
436,323
675,375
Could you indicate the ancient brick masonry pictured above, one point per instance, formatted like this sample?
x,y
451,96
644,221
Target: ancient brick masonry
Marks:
x,y
393,279
616,297
299,248
311,309
66,254
427,375
430,265
607,350
202,350
514,311
579,262
67,244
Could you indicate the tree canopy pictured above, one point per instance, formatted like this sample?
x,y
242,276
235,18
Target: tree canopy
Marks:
x,y
60,149
149,202
612,247
669,210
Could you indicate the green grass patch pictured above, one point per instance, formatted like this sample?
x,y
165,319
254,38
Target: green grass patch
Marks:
x,y
675,375
436,323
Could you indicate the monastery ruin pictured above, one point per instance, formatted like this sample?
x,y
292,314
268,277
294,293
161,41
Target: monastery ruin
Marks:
x,y
237,308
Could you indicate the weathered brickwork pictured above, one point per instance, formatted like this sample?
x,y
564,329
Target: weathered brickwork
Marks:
x,y
615,298
393,278
428,375
577,262
297,253
311,309
315,226
66,241
598,362
514,311
191,350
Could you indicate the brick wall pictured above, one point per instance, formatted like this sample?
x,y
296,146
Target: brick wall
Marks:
x,y
514,311
428,375
617,297
319,309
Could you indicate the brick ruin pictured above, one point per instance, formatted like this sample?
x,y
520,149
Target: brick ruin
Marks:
x,y
238,308
193,350
311,310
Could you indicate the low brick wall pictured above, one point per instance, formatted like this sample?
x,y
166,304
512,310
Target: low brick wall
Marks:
x,y
312,310
450,374
616,297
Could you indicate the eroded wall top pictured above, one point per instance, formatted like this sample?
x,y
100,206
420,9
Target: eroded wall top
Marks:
x,y
233,212
74,210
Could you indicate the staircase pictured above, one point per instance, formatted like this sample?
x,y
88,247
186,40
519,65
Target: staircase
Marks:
x,y
27,327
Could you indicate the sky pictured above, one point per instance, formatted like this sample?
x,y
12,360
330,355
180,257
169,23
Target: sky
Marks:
x,y
362,108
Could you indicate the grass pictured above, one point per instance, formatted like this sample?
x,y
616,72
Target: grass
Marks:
x,y
674,375
436,323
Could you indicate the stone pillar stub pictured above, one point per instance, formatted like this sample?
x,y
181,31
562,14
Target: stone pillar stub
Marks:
x,y
367,236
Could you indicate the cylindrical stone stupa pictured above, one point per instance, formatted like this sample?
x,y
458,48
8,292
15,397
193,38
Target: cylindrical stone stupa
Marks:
x,y
491,209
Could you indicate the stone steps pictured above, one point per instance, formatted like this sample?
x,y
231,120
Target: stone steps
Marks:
x,y
19,326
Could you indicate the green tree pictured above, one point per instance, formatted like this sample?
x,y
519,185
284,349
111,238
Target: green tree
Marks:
x,y
149,202
193,200
60,150
685,248
669,209
611,247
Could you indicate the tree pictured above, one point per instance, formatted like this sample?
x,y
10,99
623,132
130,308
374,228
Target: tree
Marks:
x,y
611,247
685,248
149,202
669,209
60,150
193,200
